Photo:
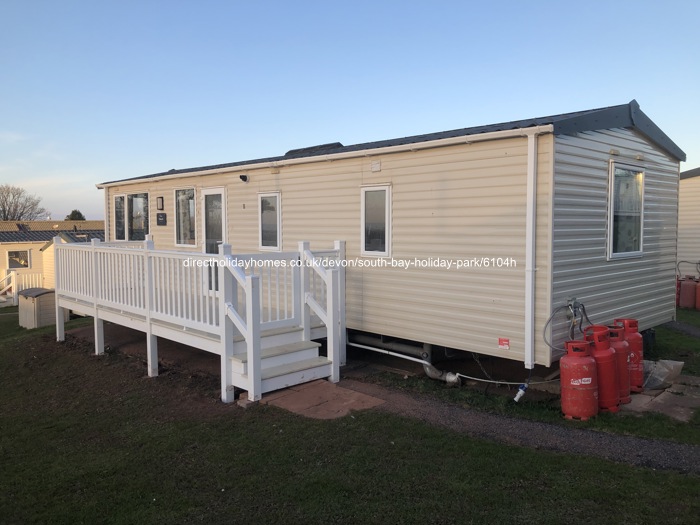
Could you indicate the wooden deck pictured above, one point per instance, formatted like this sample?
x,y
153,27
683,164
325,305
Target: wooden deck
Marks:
x,y
260,312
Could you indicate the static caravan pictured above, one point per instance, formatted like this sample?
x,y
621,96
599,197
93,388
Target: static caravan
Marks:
x,y
23,260
479,239
688,221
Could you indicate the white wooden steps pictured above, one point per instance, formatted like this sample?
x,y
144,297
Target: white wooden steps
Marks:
x,y
284,365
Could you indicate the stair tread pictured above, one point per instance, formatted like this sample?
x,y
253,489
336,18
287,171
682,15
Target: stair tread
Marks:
x,y
268,333
297,366
279,350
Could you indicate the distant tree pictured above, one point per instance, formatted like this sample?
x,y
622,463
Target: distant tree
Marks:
x,y
75,215
16,204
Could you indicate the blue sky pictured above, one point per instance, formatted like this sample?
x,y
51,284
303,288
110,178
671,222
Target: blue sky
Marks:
x,y
92,91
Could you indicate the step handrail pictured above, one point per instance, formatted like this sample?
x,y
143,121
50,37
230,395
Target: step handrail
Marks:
x,y
231,277
329,312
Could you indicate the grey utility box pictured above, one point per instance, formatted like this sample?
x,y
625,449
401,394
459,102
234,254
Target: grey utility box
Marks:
x,y
37,307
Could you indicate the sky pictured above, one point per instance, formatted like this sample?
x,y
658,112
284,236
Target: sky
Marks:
x,y
95,91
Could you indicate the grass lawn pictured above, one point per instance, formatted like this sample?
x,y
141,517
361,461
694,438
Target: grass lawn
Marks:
x,y
86,439
670,344
677,346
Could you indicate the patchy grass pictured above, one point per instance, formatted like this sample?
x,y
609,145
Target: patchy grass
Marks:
x,y
11,330
539,406
686,315
86,439
677,346
545,407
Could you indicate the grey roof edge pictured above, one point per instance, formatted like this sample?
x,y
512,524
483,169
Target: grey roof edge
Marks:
x,y
621,116
647,127
689,174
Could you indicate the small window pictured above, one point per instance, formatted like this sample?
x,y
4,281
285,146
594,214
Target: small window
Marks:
x,y
119,216
626,214
184,217
376,220
270,223
17,260
131,217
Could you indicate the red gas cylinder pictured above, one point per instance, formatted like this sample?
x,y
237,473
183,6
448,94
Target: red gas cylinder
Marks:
x,y
678,291
579,381
622,356
606,367
697,296
688,292
636,342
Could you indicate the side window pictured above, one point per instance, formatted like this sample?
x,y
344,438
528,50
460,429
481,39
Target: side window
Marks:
x,y
626,213
131,217
376,220
184,217
119,218
269,216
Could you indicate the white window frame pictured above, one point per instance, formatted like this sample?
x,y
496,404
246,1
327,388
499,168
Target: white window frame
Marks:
x,y
29,260
387,220
611,211
176,218
114,215
127,214
278,246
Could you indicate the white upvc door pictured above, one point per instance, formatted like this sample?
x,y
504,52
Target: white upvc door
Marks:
x,y
214,218
214,226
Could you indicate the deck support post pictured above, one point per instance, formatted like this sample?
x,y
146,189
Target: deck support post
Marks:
x,y
339,246
98,323
151,340
305,312
152,354
333,327
99,336
60,314
226,326
253,338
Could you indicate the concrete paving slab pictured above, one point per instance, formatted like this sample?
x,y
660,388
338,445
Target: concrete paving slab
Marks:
x,y
639,403
321,400
680,401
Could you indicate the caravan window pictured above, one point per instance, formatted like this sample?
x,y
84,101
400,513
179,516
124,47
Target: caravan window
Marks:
x,y
376,220
18,259
184,217
626,213
119,214
270,221
131,217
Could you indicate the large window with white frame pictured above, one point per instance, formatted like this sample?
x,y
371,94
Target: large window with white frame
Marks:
x,y
375,230
131,217
185,232
270,221
626,211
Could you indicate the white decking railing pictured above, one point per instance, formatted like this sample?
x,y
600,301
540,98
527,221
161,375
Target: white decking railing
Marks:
x,y
204,300
14,282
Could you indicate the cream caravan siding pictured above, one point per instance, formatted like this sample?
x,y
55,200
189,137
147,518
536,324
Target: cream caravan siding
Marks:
x,y
642,287
48,258
457,203
689,224
35,259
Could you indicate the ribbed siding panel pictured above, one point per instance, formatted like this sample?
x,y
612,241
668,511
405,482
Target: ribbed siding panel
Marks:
x,y
455,203
642,288
689,224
